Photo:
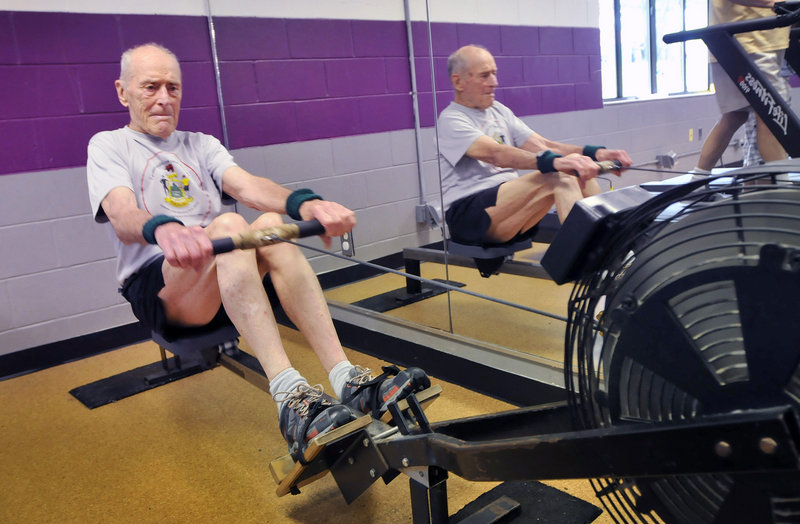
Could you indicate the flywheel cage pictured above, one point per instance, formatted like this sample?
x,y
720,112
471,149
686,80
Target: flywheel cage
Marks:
x,y
694,312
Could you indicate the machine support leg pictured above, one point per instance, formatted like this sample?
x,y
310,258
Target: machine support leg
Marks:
x,y
413,287
429,503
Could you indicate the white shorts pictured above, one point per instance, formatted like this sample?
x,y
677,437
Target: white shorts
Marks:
x,y
730,97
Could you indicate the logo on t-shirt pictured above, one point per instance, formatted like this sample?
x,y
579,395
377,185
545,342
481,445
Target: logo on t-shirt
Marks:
x,y
500,138
171,186
177,188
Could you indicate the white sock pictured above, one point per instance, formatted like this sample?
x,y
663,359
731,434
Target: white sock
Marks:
x,y
339,376
285,381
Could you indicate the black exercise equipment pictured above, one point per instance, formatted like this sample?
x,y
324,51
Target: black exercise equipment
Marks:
x,y
682,362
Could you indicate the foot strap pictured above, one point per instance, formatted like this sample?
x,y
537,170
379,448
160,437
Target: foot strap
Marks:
x,y
388,371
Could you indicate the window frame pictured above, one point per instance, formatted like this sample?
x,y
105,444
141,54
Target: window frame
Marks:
x,y
653,43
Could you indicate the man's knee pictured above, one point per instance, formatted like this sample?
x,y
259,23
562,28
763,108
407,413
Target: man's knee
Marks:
x,y
267,220
234,222
227,224
566,184
281,254
734,119
548,183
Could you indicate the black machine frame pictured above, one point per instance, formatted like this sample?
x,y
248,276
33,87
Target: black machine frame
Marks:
x,y
540,443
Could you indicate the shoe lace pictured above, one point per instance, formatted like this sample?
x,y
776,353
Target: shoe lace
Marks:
x,y
362,376
302,398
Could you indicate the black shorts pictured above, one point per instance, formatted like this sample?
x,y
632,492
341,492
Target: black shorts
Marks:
x,y
141,290
468,221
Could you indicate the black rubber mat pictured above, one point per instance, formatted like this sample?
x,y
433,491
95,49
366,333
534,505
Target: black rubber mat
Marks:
x,y
538,503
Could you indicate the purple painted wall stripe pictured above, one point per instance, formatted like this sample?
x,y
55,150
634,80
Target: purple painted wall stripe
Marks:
x,y
282,80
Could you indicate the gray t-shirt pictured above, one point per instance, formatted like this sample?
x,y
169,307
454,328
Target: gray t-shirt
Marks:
x,y
459,126
180,176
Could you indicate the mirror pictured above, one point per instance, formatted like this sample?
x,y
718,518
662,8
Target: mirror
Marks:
x,y
323,101
507,312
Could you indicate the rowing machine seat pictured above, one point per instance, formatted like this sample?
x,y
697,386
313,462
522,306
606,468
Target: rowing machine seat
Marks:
x,y
491,257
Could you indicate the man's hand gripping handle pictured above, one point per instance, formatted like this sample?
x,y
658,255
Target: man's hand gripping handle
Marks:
x,y
268,236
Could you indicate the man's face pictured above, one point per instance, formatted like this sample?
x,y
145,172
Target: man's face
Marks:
x,y
476,84
152,92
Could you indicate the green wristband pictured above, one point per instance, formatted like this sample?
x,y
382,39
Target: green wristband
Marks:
x,y
591,151
149,228
544,161
296,199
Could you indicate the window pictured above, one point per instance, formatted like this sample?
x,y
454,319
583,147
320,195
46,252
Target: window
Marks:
x,y
635,60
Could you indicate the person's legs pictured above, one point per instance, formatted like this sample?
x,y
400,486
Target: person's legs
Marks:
x,y
733,108
770,65
591,188
239,287
750,154
768,145
235,280
192,298
523,202
719,138
300,294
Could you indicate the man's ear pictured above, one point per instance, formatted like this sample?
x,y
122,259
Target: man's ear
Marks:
x,y
455,79
121,93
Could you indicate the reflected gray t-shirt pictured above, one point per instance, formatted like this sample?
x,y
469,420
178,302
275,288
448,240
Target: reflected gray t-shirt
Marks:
x,y
180,176
459,126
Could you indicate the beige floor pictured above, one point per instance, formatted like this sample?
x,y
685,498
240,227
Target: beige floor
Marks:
x,y
196,450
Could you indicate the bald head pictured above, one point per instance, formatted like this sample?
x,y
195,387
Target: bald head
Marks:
x,y
462,58
473,74
144,52
150,87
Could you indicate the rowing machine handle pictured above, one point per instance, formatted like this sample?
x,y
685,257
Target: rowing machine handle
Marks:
x,y
309,228
606,166
302,229
222,245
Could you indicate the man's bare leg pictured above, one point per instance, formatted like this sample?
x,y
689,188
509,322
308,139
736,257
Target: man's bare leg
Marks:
x,y
246,303
591,188
769,147
233,279
523,202
301,296
719,138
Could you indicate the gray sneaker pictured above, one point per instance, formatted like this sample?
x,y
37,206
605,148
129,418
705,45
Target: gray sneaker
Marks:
x,y
373,395
306,413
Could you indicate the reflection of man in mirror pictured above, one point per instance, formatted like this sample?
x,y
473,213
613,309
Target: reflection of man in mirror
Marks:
x,y
482,145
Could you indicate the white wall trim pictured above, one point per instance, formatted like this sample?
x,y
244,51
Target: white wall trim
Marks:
x,y
561,13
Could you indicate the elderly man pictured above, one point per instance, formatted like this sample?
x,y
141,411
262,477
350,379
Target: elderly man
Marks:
x,y
482,145
162,192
